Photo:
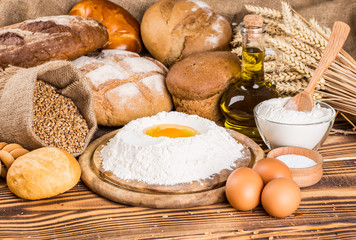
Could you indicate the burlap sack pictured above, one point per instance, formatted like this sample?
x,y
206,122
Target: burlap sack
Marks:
x,y
16,100
326,12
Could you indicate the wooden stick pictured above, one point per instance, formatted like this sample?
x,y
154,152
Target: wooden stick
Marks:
x,y
343,52
347,119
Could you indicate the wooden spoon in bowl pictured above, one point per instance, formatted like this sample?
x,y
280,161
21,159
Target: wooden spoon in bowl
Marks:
x,y
304,100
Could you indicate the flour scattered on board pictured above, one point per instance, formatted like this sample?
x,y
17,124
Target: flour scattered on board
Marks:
x,y
133,155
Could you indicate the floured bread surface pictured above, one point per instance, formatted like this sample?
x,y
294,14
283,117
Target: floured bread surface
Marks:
x,y
43,173
174,29
133,155
125,85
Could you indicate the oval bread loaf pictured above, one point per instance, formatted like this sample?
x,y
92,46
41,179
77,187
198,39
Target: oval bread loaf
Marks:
x,y
123,28
173,29
43,173
125,86
33,42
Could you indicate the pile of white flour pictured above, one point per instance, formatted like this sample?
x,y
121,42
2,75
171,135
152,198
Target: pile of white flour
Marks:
x,y
133,155
281,127
273,110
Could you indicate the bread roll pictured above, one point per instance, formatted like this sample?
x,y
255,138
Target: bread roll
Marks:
x,y
198,81
125,86
34,42
173,29
43,173
123,28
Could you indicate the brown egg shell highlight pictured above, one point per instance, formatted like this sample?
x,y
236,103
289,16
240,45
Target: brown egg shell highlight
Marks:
x,y
243,189
271,168
281,197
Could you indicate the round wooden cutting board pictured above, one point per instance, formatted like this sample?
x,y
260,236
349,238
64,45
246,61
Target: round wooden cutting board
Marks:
x,y
136,193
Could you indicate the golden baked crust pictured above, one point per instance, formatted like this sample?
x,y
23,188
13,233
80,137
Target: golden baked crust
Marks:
x,y
174,29
43,173
123,28
125,86
198,81
33,42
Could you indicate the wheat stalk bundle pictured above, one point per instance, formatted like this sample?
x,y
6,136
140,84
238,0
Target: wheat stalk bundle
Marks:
x,y
299,45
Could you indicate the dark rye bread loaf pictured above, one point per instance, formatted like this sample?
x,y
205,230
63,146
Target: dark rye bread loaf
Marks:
x,y
34,42
197,82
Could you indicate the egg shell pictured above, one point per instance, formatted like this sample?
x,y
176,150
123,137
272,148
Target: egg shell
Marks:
x,y
281,197
271,168
243,189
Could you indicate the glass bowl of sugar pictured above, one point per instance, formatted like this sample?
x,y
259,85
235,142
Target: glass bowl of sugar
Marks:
x,y
280,127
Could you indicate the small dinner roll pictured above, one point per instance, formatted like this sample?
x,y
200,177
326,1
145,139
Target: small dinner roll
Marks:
x,y
43,173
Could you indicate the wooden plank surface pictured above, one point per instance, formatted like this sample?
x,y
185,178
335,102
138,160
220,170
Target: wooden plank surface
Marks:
x,y
327,211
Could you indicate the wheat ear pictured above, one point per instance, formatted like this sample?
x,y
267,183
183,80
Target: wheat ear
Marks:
x,y
291,88
237,51
296,64
282,45
287,15
263,11
237,40
287,76
304,48
323,30
309,38
270,58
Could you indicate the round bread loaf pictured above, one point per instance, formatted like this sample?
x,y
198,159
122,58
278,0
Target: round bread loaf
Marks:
x,y
123,28
43,173
125,86
173,29
198,81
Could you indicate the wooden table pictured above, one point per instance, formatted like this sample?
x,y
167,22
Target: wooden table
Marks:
x,y
327,211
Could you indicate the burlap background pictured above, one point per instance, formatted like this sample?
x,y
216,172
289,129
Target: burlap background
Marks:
x,y
324,11
16,100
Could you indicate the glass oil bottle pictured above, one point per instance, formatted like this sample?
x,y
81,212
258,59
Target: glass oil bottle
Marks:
x,y
244,94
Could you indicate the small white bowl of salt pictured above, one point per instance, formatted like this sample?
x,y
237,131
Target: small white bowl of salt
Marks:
x,y
305,164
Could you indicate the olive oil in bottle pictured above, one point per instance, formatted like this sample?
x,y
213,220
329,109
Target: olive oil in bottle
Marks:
x,y
244,94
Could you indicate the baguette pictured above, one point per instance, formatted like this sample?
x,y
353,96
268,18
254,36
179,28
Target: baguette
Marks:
x,y
33,42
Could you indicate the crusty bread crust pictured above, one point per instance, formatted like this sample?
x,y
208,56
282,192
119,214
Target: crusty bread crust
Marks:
x,y
123,28
174,29
33,42
125,86
43,173
198,81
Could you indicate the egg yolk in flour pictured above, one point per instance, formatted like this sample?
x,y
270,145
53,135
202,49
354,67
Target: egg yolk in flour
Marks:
x,y
171,131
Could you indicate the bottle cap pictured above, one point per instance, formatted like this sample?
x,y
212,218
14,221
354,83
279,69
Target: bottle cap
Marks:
x,y
253,20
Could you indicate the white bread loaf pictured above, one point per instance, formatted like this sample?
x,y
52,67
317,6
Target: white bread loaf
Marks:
x,y
125,86
43,173
174,29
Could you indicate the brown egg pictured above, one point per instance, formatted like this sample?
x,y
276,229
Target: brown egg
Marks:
x,y
271,168
243,189
281,197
